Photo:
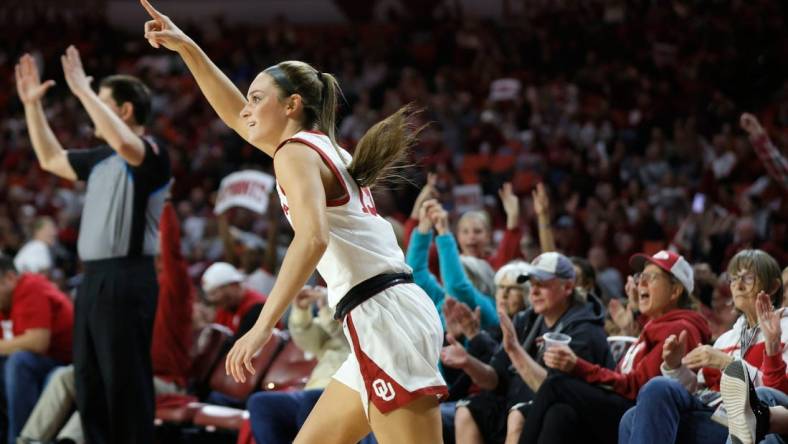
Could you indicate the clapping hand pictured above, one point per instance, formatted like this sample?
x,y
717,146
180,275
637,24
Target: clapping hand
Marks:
x,y
674,349
769,320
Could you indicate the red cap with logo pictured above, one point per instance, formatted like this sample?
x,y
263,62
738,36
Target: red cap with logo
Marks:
x,y
671,262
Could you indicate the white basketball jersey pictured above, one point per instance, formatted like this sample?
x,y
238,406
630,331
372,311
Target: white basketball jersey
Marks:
x,y
361,243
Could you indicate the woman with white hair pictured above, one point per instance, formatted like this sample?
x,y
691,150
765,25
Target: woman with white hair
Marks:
x,y
510,294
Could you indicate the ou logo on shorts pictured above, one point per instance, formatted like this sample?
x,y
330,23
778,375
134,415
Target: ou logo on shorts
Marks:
x,y
383,389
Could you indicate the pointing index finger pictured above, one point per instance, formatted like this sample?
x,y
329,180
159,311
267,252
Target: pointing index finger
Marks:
x,y
151,10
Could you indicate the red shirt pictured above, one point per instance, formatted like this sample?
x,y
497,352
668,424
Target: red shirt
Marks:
x,y
172,329
643,361
232,319
37,303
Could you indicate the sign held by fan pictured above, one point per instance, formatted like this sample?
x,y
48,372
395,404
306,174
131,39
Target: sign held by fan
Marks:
x,y
248,189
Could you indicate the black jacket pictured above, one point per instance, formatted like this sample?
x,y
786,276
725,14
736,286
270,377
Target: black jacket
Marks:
x,y
584,322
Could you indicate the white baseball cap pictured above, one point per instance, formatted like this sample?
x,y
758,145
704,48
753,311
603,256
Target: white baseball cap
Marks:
x,y
219,274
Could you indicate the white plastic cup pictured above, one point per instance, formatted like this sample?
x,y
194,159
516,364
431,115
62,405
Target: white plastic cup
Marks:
x,y
552,339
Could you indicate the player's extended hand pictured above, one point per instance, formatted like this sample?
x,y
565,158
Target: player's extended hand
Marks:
x,y
28,82
239,359
77,80
161,31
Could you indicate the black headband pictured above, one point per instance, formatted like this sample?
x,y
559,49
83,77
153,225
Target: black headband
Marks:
x,y
281,79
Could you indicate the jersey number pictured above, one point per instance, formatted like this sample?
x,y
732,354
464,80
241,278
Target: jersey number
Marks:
x,y
367,203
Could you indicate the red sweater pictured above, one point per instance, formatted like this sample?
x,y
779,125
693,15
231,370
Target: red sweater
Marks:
x,y
172,329
37,303
232,318
508,250
642,361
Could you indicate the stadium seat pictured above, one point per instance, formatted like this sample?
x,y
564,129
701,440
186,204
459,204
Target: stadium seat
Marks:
x,y
180,409
176,409
224,384
290,370
619,345
206,350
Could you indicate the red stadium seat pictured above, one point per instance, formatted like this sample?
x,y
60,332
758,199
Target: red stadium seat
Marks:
x,y
176,409
290,370
206,350
222,383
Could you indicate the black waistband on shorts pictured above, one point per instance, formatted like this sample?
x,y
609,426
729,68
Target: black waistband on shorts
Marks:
x,y
368,288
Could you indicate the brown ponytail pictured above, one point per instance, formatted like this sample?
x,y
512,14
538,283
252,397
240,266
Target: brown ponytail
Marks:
x,y
381,148
384,146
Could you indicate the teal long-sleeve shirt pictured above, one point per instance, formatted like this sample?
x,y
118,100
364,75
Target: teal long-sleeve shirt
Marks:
x,y
456,282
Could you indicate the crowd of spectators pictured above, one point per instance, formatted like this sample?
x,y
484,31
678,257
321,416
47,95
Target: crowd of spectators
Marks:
x,y
628,120
606,128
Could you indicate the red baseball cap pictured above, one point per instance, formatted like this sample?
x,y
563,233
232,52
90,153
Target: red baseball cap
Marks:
x,y
671,262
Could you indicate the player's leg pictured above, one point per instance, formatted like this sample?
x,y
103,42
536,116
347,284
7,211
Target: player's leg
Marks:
x,y
417,422
338,418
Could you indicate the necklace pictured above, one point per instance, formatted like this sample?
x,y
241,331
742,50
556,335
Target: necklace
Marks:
x,y
748,337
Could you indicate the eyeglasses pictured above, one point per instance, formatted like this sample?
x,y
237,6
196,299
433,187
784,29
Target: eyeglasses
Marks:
x,y
747,278
648,278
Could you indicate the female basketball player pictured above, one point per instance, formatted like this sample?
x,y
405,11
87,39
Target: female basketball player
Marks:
x,y
394,329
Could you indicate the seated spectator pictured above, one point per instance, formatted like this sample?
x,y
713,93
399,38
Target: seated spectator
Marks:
x,y
53,417
237,307
512,293
517,369
677,407
35,256
570,405
276,417
464,277
37,341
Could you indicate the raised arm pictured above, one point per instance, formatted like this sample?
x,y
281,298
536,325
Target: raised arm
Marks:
x,y
542,209
51,155
120,136
775,163
455,281
222,94
298,169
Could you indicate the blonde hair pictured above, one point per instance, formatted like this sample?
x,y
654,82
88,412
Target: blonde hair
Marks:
x,y
382,147
478,215
767,272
